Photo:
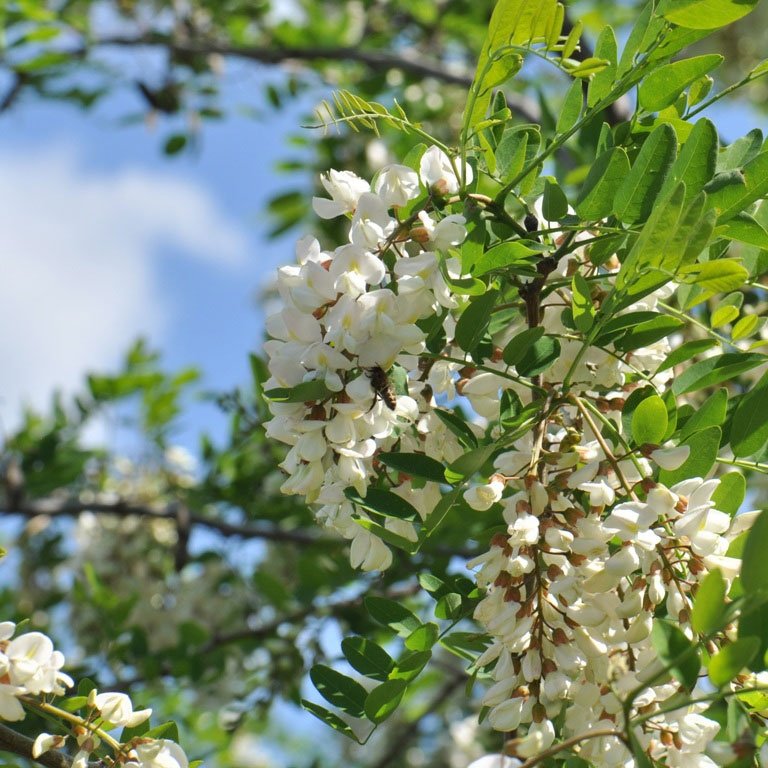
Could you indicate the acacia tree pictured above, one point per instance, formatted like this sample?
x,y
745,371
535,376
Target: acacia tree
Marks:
x,y
483,371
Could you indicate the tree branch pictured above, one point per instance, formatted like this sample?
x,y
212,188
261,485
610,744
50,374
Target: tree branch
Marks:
x,y
74,508
13,742
400,740
377,61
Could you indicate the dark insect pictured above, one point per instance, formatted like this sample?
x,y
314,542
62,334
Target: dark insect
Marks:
x,y
382,387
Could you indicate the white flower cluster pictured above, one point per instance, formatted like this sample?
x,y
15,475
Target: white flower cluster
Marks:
x,y
572,588
594,548
31,668
348,317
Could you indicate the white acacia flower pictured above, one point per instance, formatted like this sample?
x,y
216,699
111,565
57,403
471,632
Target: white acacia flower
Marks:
x,y
397,185
483,497
495,761
45,742
436,170
160,753
345,189
117,709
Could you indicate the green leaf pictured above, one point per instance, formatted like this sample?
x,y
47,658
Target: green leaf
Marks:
x,y
664,84
651,246
649,421
539,356
729,495
618,326
391,614
513,149
571,108
442,508
308,391
385,534
174,144
458,426
410,666
609,170
384,699
745,229
733,198
554,204
601,83
709,606
705,14
329,718
465,645
337,689
749,427
167,730
367,658
415,465
745,327
468,463
754,563
713,277
675,648
695,165
638,192
501,256
648,332
582,308
731,659
714,370
519,345
752,623
515,22
422,638
474,320
704,446
685,352
711,413
383,503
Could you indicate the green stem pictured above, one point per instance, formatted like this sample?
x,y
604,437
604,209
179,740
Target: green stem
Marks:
x,y
720,94
640,719
691,319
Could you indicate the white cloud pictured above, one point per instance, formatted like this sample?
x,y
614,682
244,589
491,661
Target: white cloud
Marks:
x,y
79,253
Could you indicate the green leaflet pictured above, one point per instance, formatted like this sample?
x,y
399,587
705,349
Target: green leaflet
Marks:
x,y
664,84
638,192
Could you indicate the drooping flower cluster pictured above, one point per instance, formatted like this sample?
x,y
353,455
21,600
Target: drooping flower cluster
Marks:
x,y
350,315
595,548
30,668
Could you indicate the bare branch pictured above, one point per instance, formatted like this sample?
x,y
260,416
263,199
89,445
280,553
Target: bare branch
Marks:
x,y
73,508
13,742
378,61
399,743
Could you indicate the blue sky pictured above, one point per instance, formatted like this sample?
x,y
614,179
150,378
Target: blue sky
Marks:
x,y
106,239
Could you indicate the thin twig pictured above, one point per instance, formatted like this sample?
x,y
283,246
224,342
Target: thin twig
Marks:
x,y
74,508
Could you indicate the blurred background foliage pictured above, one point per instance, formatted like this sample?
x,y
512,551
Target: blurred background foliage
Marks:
x,y
190,581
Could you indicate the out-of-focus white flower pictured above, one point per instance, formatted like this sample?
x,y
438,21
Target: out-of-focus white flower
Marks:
x,y
437,171
117,709
397,185
495,761
345,189
45,742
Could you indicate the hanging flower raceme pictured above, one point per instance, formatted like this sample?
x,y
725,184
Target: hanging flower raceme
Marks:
x,y
351,324
603,532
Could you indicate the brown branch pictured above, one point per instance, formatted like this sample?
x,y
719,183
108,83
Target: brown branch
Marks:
x,y
73,508
377,61
13,742
399,740
13,92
